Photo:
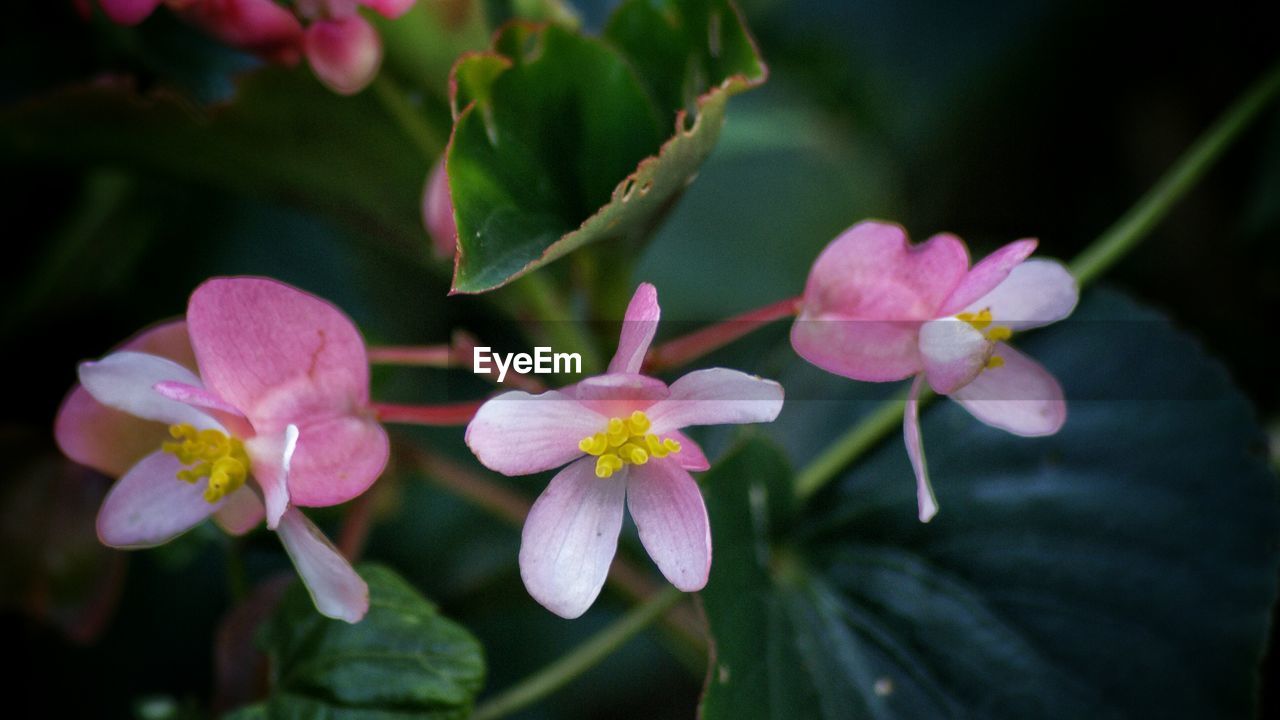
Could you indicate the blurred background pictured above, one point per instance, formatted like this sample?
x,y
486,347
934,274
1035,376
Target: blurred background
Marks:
x,y
993,120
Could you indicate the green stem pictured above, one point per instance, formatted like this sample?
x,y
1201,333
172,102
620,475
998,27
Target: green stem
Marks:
x,y
1114,243
408,117
579,660
564,332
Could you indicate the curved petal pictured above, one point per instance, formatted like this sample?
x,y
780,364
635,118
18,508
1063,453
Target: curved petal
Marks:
x,y
1037,292
437,212
618,394
954,352
639,325
1020,396
335,588
129,12
337,460
241,512
271,457
149,505
669,512
865,350
345,53
716,396
517,433
691,456
258,26
570,536
987,274
109,440
126,381
925,500
276,352
206,402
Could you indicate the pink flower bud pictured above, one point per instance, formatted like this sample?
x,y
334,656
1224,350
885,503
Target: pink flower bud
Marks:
x,y
129,12
258,26
391,9
437,212
345,53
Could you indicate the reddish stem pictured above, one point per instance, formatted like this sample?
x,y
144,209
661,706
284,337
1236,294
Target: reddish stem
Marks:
x,y
426,355
435,415
682,350
356,524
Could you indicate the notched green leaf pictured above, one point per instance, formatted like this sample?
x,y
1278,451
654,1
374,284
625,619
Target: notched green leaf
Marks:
x,y
402,660
562,140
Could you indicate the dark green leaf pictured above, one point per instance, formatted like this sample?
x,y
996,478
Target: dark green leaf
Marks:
x,y
563,140
402,660
1124,568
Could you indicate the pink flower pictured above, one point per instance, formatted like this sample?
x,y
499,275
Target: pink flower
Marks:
x,y
344,50
878,309
128,12
620,435
437,212
261,382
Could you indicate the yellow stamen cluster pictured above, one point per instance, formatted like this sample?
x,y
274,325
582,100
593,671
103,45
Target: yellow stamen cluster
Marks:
x,y
999,333
626,442
209,454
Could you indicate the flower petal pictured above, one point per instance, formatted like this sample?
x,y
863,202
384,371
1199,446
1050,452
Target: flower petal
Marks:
x,y
1036,293
716,396
618,394
925,500
691,456
669,512
867,294
437,212
517,433
258,26
241,512
345,53
126,380
271,456
986,275
149,505
206,402
1020,396
109,440
954,352
570,536
337,460
388,8
129,12
277,353
639,325
337,591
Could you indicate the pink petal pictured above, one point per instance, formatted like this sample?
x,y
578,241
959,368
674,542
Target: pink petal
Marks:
x,y
618,394
345,53
987,274
1020,396
337,460
928,504
149,505
389,8
277,353
217,408
953,351
1036,293
517,433
691,456
716,396
570,536
126,380
241,512
638,327
106,439
335,588
271,457
129,12
437,212
866,296
672,519
258,26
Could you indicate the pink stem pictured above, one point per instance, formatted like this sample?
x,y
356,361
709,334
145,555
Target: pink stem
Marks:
x,y
682,350
436,415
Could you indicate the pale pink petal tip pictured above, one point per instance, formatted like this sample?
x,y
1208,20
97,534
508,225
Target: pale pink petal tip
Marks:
x,y
437,212
1020,396
149,505
344,53
716,396
925,499
570,537
517,433
672,519
639,325
336,589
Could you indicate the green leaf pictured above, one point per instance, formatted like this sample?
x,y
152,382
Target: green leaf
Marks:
x,y
1123,568
561,140
402,660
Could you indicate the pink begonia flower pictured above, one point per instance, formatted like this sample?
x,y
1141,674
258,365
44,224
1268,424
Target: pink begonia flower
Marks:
x,y
258,26
877,308
619,434
437,212
345,53
261,382
128,12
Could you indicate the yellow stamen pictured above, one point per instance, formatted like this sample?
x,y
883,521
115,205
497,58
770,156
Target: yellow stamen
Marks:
x,y
209,454
982,320
994,362
626,442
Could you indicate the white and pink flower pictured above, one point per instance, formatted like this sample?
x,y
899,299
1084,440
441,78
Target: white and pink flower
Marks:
x,y
877,308
618,436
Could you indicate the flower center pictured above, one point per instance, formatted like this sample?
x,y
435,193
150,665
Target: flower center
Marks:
x,y
209,454
626,442
981,321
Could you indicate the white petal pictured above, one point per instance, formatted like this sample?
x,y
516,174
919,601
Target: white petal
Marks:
x,y
1037,292
335,588
1020,396
150,506
126,381
716,396
517,433
669,512
570,537
270,456
954,352
926,502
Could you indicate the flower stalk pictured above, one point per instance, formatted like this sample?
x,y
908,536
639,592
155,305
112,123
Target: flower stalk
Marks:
x,y
683,350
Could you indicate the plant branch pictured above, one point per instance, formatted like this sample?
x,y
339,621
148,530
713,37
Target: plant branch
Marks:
x,y
683,350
